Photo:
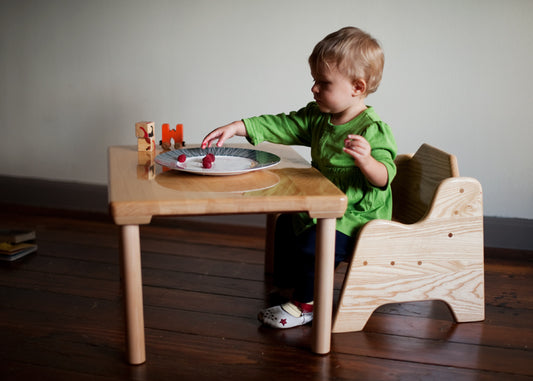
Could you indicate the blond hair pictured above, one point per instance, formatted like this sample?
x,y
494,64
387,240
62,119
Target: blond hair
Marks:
x,y
354,53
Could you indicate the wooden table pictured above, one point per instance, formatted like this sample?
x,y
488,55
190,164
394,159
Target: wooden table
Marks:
x,y
138,191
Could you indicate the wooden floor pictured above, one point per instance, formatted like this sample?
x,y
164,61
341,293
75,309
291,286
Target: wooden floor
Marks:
x,y
61,314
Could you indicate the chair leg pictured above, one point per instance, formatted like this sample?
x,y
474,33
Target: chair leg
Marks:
x,y
352,319
467,315
472,309
354,310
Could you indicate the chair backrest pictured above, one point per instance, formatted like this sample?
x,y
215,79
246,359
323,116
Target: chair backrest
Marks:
x,y
417,178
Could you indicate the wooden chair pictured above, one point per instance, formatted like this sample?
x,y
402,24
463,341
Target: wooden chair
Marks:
x,y
432,250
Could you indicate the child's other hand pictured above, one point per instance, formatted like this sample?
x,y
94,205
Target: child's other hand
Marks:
x,y
223,133
358,147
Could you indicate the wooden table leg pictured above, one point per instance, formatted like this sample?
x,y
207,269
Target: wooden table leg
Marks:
x,y
133,297
324,276
269,242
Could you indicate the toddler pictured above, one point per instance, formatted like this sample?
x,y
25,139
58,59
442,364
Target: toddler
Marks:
x,y
350,145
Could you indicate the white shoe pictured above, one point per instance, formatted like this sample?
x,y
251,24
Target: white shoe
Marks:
x,y
277,317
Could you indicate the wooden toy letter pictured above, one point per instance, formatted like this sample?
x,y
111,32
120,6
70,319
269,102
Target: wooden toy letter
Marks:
x,y
169,134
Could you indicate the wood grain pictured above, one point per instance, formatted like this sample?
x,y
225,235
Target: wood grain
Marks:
x,y
62,318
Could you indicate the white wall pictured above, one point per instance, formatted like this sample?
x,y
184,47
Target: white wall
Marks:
x,y
76,75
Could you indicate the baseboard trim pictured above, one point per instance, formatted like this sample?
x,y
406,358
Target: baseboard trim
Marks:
x,y
508,233
54,194
500,232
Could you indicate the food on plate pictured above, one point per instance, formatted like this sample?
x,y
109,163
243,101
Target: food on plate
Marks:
x,y
208,160
207,163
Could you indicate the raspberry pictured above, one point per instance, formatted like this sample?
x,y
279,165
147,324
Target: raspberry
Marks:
x,y
182,158
207,163
208,160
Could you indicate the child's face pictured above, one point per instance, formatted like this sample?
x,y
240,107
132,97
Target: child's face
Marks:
x,y
333,91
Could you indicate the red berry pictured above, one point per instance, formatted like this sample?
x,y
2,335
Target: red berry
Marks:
x,y
211,157
182,158
207,163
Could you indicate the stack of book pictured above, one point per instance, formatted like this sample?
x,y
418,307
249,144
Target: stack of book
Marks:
x,y
15,244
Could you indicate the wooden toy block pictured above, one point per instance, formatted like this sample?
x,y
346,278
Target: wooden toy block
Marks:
x,y
146,172
168,135
146,157
145,144
144,129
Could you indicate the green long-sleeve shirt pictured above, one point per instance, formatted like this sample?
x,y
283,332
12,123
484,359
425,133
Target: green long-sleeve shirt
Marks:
x,y
311,127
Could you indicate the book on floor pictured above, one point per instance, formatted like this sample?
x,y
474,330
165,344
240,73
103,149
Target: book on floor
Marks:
x,y
16,235
15,244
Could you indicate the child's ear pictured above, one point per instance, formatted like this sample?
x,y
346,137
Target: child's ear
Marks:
x,y
359,87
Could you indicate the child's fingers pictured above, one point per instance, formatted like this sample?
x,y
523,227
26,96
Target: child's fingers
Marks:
x,y
353,140
349,151
207,142
211,137
354,137
354,145
356,156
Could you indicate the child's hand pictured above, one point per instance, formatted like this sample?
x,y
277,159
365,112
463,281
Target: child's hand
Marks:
x,y
357,147
223,133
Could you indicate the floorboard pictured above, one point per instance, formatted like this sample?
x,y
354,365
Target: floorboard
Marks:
x,y
61,313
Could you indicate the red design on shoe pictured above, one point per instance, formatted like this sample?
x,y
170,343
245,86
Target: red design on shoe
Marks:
x,y
304,307
283,321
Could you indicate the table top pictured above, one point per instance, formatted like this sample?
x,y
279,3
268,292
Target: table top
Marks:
x,y
140,189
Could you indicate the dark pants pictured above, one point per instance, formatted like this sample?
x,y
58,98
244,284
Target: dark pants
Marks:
x,y
294,257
